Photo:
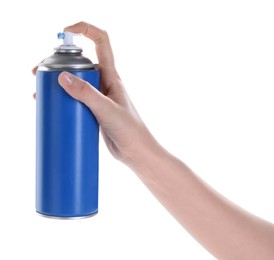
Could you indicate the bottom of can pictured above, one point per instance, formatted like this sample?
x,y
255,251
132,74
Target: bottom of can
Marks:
x,y
67,218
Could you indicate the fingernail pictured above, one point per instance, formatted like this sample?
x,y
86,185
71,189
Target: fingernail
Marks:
x,y
65,78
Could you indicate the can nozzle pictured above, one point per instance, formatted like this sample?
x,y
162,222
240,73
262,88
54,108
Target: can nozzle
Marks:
x,y
67,37
67,45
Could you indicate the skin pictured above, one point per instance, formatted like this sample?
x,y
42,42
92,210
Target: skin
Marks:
x,y
223,228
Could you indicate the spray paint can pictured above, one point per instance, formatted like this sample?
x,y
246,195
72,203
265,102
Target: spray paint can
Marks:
x,y
66,137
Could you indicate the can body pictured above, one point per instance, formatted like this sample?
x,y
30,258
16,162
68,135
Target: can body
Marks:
x,y
66,149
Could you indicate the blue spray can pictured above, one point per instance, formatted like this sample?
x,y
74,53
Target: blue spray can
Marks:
x,y
66,137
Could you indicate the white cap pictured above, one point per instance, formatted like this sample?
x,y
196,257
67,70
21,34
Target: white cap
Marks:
x,y
67,38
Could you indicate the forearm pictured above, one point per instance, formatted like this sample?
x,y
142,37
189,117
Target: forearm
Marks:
x,y
226,230
223,228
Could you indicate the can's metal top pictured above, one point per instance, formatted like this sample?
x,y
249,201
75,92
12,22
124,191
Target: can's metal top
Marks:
x,y
66,61
67,57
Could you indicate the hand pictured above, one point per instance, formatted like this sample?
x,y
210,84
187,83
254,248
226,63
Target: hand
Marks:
x,y
122,128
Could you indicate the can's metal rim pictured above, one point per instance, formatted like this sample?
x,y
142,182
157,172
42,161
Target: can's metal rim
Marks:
x,y
66,218
46,67
60,50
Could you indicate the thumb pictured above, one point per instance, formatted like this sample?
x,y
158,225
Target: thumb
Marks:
x,y
100,105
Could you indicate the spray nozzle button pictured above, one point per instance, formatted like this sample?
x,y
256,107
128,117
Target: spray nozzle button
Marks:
x,y
67,45
67,37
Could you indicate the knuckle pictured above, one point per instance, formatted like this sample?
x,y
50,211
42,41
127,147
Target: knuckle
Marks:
x,y
82,24
103,36
83,88
85,93
104,33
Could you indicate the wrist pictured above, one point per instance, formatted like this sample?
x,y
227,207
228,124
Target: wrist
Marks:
x,y
146,153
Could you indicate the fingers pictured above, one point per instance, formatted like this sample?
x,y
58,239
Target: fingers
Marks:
x,y
102,43
100,105
34,70
34,73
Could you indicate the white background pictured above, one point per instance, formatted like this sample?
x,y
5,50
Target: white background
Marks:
x,y
200,74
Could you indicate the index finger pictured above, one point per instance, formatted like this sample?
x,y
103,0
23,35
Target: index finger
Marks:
x,y
102,43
